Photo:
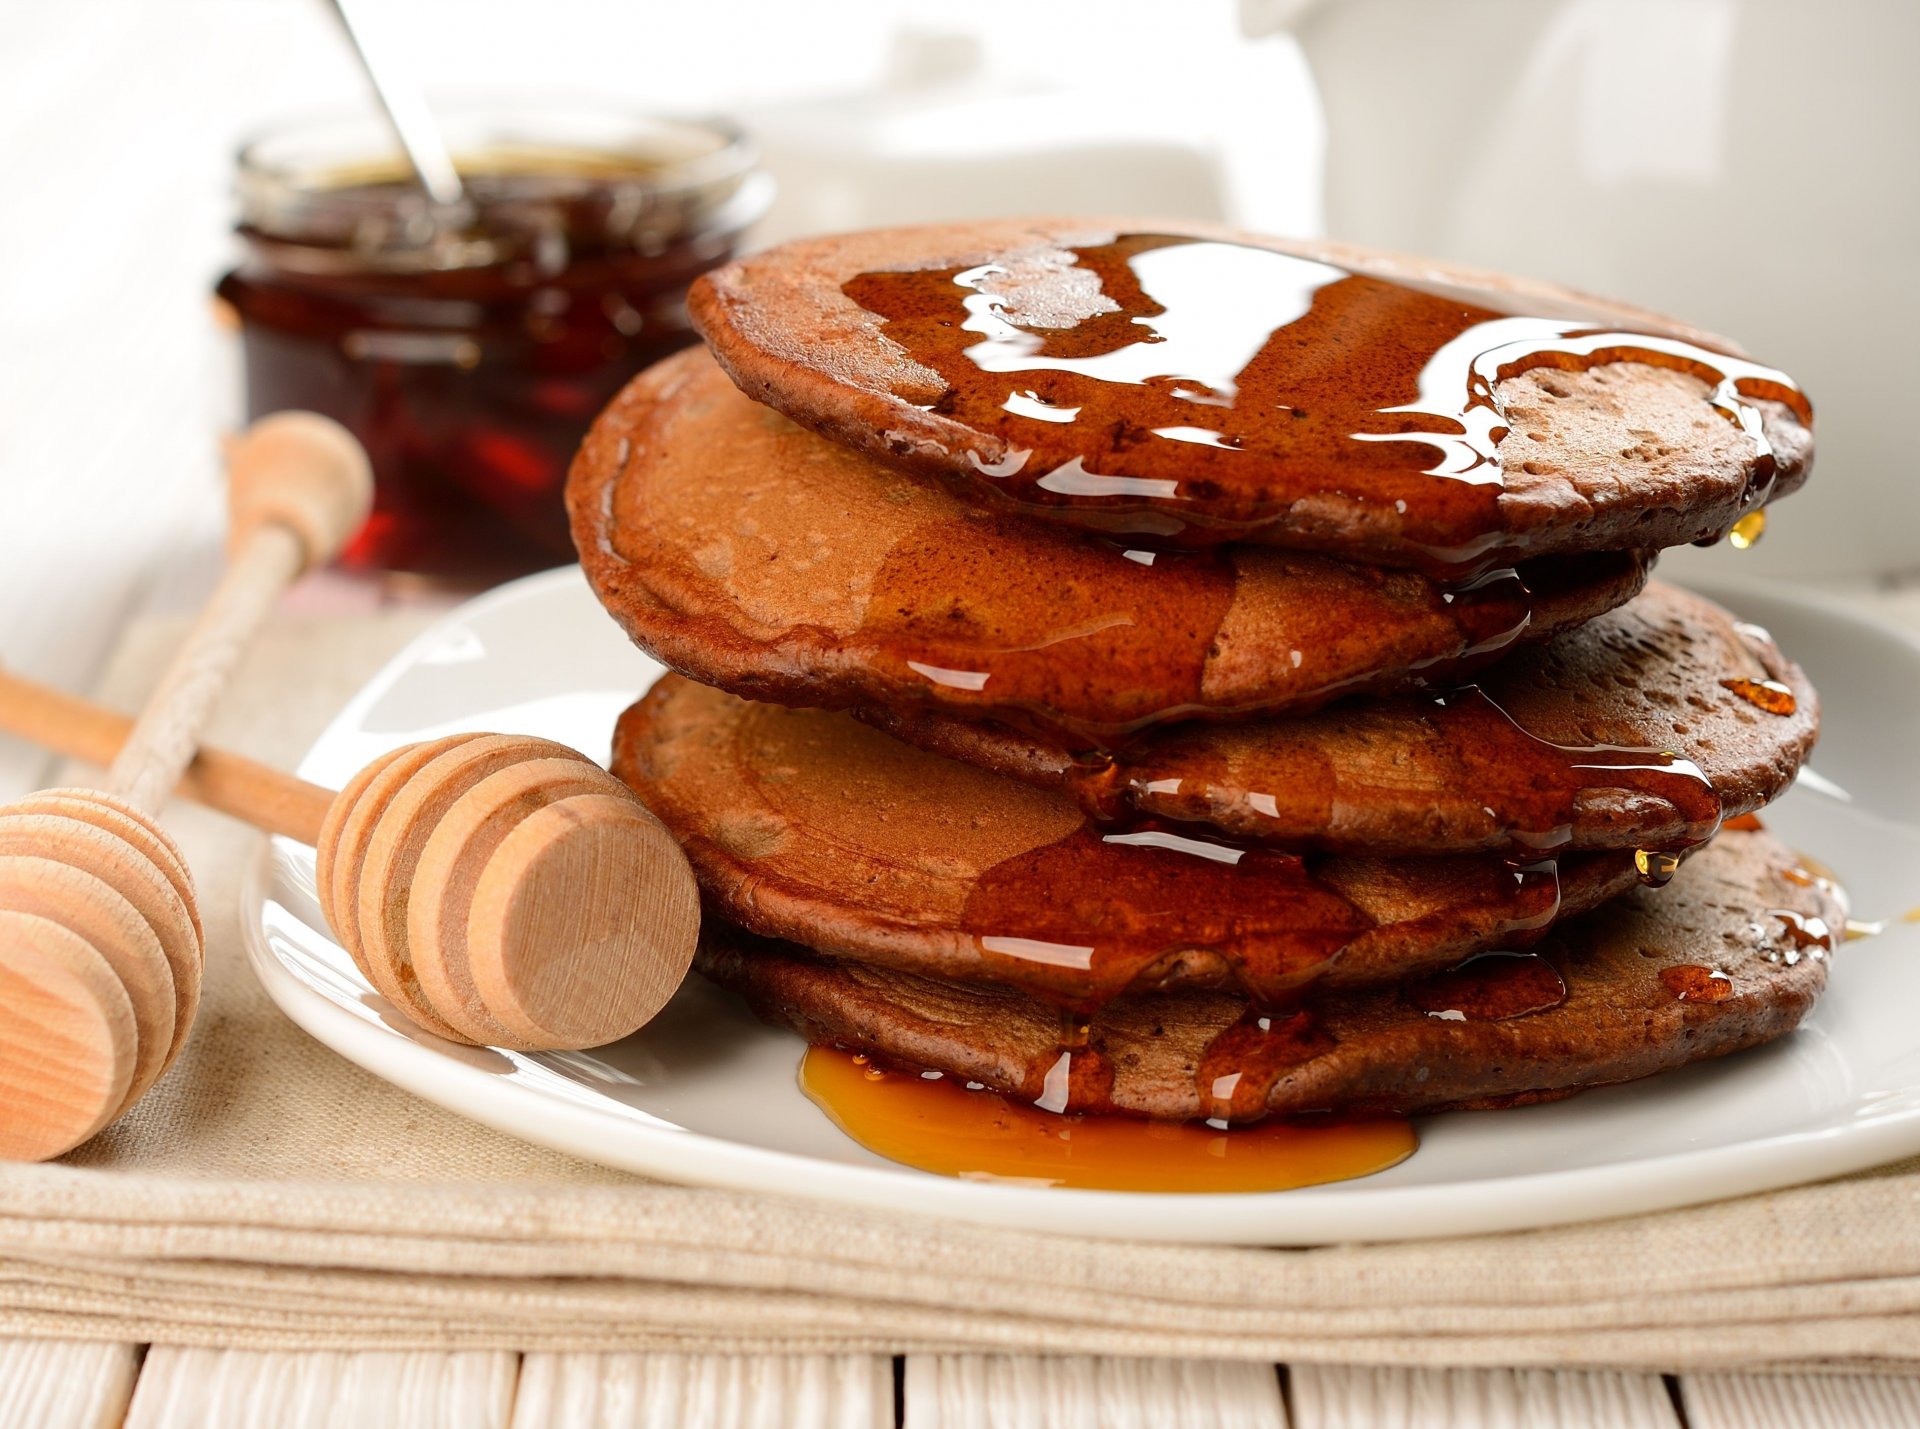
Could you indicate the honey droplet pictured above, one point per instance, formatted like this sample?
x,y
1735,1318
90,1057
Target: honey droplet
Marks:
x,y
1655,866
1692,983
1747,531
934,1124
1769,695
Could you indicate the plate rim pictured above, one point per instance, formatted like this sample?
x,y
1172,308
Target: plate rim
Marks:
x,y
1350,1211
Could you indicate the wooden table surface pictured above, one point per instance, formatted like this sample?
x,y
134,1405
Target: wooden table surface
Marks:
x,y
115,116
55,1385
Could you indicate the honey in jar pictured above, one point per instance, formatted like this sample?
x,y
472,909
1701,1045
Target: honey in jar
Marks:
x,y
469,346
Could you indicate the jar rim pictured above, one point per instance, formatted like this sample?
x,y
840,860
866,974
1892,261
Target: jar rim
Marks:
x,y
473,125
340,181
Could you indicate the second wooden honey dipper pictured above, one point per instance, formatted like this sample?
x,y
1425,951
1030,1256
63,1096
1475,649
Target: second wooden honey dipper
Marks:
x,y
499,890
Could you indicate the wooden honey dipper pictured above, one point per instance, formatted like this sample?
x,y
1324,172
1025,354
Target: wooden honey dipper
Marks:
x,y
500,890
101,948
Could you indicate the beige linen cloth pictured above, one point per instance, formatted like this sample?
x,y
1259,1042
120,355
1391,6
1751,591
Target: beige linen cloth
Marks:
x,y
270,1194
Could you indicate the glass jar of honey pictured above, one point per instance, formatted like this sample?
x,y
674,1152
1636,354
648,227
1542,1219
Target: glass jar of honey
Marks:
x,y
470,346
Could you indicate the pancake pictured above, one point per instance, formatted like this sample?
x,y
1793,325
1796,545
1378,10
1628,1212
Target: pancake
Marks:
x,y
753,555
1558,746
1731,954
807,825
1196,385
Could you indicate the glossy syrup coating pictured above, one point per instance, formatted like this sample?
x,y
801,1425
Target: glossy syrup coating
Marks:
x,y
1629,732
1359,1050
1191,385
806,825
751,554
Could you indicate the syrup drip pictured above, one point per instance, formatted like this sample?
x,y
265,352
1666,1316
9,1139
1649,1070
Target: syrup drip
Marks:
x,y
945,598
1769,695
1079,1075
1490,987
1656,867
1745,533
933,1124
1241,1065
1531,786
1690,982
955,606
1082,920
1234,381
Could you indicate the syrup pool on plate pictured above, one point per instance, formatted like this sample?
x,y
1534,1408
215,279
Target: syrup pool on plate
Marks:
x,y
933,1123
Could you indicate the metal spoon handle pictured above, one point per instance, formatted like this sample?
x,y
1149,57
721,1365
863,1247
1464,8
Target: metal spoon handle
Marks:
x,y
400,96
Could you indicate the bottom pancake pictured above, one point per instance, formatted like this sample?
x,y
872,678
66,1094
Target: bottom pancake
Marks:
x,y
1731,954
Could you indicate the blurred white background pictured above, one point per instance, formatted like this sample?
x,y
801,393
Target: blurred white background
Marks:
x,y
119,119
1749,164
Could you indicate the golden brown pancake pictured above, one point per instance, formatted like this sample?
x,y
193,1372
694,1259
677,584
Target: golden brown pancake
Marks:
x,y
1640,730
753,555
1731,954
807,825
1194,385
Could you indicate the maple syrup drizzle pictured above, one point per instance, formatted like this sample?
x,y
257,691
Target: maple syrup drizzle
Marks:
x,y
1241,1065
1745,533
1656,867
954,606
1082,920
1076,1075
1489,987
1236,380
1689,982
1531,787
933,1123
1769,695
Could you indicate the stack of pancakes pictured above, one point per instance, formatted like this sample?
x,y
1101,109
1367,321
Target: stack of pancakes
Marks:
x,y
1173,672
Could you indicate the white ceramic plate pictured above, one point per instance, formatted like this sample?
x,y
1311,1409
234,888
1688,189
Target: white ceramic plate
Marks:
x,y
708,1095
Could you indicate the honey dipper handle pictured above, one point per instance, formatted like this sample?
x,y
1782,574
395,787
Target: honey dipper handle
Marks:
x,y
249,791
299,485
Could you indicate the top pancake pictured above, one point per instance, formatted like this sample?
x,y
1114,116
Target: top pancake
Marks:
x,y
1561,745
751,554
1195,385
